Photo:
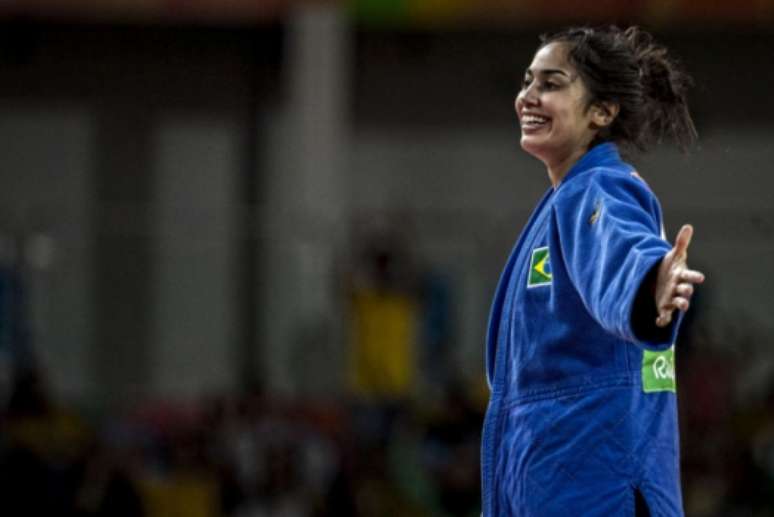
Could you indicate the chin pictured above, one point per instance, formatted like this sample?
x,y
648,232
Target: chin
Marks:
x,y
530,146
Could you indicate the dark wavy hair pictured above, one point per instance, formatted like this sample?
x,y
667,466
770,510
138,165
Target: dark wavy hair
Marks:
x,y
628,68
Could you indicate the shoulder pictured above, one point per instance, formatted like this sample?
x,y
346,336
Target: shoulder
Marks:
x,y
622,183
616,191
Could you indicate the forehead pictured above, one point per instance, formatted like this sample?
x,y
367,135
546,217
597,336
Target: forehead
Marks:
x,y
553,56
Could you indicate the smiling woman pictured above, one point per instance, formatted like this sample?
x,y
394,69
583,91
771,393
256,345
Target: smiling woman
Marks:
x,y
582,417
556,127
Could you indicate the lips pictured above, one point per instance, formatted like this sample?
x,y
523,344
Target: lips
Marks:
x,y
533,121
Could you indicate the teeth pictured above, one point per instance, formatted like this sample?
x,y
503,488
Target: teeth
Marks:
x,y
534,119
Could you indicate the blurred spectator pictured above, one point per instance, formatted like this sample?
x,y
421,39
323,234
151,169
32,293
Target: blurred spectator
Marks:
x,y
384,324
41,461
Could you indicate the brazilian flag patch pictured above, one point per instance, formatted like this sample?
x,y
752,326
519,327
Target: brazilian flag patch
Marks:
x,y
539,268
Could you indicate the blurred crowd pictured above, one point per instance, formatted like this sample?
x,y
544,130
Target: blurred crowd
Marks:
x,y
252,455
727,430
241,456
383,450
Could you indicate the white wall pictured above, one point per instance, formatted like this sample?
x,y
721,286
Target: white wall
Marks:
x,y
307,198
45,173
195,314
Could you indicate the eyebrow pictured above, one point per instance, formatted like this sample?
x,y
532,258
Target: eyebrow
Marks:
x,y
549,71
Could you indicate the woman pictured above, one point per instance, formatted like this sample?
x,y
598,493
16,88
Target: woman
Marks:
x,y
582,418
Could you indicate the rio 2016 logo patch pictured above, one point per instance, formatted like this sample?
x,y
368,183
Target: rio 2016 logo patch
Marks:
x,y
658,371
539,268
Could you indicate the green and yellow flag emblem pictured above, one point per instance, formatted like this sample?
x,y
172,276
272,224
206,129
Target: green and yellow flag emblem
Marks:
x,y
539,268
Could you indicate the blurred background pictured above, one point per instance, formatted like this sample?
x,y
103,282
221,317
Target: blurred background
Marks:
x,y
247,249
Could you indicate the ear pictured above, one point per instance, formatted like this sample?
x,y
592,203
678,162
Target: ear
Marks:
x,y
603,114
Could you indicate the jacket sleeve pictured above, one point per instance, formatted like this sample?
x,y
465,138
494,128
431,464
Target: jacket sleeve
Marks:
x,y
610,238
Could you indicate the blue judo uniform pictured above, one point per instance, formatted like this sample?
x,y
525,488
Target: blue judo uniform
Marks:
x,y
582,413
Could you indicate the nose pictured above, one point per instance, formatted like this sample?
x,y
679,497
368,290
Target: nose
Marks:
x,y
527,97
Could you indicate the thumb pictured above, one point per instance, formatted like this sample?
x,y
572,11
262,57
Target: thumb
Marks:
x,y
683,239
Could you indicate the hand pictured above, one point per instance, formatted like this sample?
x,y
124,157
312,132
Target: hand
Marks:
x,y
674,284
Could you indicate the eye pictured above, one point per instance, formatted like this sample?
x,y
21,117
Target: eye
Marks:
x,y
526,82
550,85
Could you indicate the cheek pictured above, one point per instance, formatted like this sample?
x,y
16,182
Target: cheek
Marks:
x,y
563,116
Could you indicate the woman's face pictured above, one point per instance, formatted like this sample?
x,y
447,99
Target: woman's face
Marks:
x,y
552,107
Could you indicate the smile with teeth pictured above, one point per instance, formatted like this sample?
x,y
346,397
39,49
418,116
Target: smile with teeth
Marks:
x,y
533,120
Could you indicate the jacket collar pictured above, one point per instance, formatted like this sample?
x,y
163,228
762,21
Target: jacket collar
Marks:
x,y
604,154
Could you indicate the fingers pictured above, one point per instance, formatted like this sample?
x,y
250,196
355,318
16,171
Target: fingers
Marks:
x,y
684,290
681,303
680,300
664,318
689,275
665,313
683,239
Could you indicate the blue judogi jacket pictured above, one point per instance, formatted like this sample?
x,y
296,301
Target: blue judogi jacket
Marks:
x,y
582,411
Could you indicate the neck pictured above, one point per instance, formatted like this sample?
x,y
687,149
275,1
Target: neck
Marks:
x,y
558,169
